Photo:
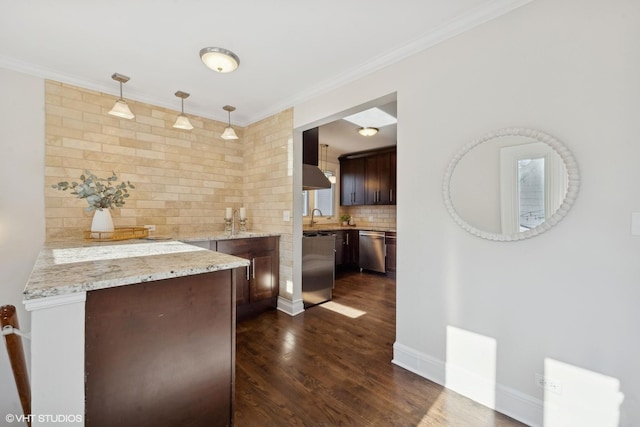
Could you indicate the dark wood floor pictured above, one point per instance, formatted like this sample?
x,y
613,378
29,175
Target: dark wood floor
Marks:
x,y
322,368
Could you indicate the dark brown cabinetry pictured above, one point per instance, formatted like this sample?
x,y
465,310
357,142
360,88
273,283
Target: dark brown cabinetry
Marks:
x,y
393,161
346,248
378,179
390,260
352,182
161,353
258,285
368,178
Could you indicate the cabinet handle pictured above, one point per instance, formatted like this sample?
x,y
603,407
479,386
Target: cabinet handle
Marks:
x,y
247,273
347,238
391,195
253,268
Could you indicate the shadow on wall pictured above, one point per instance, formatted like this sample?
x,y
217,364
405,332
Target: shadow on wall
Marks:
x,y
573,396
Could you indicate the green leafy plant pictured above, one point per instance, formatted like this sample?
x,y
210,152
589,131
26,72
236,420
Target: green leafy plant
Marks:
x,y
345,218
100,193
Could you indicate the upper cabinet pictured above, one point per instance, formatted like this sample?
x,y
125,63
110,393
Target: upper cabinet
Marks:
x,y
368,178
352,181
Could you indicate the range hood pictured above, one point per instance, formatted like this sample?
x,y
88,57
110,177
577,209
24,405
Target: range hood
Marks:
x,y
312,177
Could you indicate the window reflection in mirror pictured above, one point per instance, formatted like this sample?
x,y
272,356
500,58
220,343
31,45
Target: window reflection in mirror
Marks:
x,y
531,193
533,184
511,184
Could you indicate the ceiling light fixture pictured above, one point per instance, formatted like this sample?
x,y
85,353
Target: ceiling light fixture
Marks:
x,y
219,59
120,108
367,131
182,122
229,133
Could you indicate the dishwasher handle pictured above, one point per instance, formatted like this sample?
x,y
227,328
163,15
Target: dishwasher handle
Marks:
x,y
372,233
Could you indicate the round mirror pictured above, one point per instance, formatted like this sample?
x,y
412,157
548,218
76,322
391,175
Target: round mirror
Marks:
x,y
511,184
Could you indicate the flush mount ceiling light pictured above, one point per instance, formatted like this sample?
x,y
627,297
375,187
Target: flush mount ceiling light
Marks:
x,y
229,133
120,108
219,59
182,122
367,131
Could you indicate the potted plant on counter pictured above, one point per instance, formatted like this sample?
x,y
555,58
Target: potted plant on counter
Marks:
x,y
102,194
345,219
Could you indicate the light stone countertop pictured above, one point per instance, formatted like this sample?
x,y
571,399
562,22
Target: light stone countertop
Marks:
x,y
220,235
327,227
69,267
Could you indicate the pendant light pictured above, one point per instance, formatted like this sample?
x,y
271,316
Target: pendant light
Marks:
x,y
121,109
330,176
229,133
182,122
219,59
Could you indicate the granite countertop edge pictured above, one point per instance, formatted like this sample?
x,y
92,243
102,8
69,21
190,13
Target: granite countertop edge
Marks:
x,y
221,235
64,268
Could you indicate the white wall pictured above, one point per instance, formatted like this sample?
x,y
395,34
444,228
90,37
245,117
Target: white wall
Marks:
x,y
569,68
21,204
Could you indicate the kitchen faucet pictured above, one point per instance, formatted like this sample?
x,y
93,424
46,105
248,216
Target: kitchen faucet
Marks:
x,y
312,212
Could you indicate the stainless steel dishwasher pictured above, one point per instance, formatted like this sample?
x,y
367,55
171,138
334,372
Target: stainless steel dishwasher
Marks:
x,y
372,251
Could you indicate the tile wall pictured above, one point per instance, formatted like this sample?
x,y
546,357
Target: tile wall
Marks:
x,y
184,179
381,216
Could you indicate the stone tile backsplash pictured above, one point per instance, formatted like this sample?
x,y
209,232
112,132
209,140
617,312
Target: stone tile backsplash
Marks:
x,y
184,179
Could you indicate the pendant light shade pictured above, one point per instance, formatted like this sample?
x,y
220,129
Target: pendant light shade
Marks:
x,y
229,133
120,108
182,122
323,153
219,59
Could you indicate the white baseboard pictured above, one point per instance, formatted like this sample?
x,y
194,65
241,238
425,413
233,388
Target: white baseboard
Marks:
x,y
509,401
292,308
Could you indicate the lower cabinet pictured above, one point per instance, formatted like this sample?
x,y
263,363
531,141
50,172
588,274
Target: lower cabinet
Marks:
x,y
390,260
257,286
160,353
346,248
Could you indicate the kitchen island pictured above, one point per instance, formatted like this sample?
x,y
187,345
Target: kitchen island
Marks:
x,y
132,333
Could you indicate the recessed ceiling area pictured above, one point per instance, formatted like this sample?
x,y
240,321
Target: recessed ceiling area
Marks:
x,y
287,54
342,136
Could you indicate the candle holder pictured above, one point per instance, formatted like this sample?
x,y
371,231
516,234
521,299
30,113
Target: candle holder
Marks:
x,y
243,225
227,225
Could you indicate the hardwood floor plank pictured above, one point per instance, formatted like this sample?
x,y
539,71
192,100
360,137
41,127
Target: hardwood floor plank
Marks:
x,y
322,368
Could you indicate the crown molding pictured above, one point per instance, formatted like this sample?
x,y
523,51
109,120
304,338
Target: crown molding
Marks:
x,y
454,27
458,25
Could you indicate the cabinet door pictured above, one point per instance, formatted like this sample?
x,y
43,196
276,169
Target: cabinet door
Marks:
x,y
240,279
240,248
262,281
351,247
377,182
393,159
390,261
340,247
352,182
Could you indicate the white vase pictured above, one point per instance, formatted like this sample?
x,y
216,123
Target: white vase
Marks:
x,y
102,223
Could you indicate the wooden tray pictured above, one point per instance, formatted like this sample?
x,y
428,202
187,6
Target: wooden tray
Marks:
x,y
120,233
